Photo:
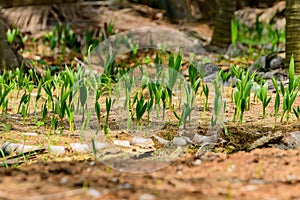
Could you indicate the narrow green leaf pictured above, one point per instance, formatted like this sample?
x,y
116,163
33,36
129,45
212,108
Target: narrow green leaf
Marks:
x,y
291,73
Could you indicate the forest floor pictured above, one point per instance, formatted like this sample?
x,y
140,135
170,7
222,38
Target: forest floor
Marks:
x,y
268,171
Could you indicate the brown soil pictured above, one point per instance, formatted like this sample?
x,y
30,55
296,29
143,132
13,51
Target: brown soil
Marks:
x,y
260,174
266,173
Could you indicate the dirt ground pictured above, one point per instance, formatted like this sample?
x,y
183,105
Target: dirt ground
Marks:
x,y
263,173
260,174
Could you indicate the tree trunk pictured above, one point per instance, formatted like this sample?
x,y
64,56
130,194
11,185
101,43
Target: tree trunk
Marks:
x,y
8,58
222,31
292,44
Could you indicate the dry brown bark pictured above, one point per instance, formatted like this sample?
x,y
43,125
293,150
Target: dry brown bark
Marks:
x,y
292,32
8,58
222,31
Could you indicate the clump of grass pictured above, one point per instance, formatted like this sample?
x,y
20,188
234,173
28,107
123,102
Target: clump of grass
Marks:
x,y
290,93
241,94
261,92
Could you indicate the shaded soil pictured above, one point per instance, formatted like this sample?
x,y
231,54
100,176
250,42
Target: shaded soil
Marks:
x,y
260,174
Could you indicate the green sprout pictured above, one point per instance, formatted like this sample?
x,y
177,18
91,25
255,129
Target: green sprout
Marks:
x,y
290,93
108,105
224,76
241,94
277,100
218,102
297,112
140,109
262,94
205,90
173,71
187,107
194,80
149,107
4,91
97,106
234,31
12,34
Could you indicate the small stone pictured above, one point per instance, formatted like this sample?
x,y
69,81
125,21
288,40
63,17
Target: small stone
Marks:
x,y
197,162
147,196
123,143
257,181
6,148
80,148
143,142
161,140
250,188
203,139
180,173
277,63
114,180
178,141
94,193
124,186
63,180
292,139
30,134
100,145
58,150
26,148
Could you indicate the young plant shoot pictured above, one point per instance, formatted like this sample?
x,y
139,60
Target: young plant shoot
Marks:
x,y
261,92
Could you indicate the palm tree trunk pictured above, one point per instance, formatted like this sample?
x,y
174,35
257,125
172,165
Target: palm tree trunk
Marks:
x,y
8,58
292,33
222,32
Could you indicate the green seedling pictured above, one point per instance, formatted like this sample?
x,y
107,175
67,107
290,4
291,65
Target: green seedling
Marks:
x,y
108,104
134,49
241,94
12,34
218,102
158,64
61,105
97,106
234,31
156,90
44,113
164,101
261,92
290,93
259,27
187,107
107,30
224,76
149,108
69,39
297,112
90,41
4,91
140,109
173,71
288,100
83,94
174,66
277,100
26,97
194,80
51,39
205,90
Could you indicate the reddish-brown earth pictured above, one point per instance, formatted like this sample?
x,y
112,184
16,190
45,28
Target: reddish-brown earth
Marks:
x,y
266,173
